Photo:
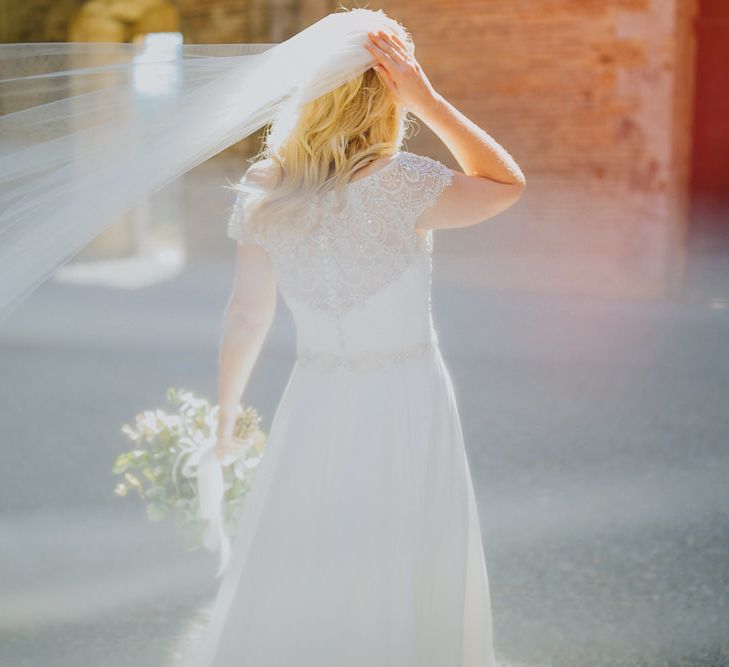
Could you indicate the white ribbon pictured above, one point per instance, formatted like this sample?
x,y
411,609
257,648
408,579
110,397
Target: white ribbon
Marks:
x,y
204,465
210,492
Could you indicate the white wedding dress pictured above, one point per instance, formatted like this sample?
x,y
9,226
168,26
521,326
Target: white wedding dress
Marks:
x,y
360,543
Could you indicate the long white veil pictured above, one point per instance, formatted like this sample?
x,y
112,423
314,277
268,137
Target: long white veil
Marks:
x,y
83,140
88,131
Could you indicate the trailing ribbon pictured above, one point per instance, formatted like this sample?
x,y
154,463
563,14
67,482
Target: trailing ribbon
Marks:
x,y
210,492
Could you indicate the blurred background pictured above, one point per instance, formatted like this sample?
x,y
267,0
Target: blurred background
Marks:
x,y
586,331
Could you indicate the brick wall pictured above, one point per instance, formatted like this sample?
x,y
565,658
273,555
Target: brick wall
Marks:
x,y
592,97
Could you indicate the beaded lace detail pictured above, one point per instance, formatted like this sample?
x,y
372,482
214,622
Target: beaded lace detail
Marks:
x,y
362,361
361,248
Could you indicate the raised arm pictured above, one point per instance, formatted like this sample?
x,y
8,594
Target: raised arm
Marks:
x,y
491,180
246,321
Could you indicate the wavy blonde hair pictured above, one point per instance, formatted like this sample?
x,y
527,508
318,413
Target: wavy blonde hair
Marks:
x,y
331,137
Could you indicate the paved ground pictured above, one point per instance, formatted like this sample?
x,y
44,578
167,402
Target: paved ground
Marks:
x,y
596,431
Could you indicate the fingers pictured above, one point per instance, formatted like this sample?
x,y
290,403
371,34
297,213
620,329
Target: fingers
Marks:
x,y
389,56
388,47
221,450
385,77
230,446
379,53
396,45
405,49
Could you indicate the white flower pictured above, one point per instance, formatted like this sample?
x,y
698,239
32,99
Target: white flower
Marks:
x,y
131,433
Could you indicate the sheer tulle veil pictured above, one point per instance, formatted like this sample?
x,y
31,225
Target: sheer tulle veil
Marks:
x,y
83,140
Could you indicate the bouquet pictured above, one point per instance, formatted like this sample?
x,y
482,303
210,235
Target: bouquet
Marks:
x,y
161,467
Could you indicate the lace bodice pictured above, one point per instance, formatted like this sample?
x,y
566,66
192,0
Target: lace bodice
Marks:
x,y
365,253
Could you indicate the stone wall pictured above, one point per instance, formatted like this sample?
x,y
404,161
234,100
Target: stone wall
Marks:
x,y
122,20
36,20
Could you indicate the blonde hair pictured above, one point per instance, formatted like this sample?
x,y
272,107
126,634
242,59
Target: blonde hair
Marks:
x,y
313,148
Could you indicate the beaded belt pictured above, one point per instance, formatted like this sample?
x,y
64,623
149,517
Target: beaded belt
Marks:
x,y
360,361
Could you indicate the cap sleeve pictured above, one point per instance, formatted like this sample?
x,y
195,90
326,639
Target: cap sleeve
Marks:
x,y
426,179
239,227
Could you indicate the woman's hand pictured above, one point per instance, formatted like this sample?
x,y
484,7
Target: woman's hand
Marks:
x,y
401,72
224,445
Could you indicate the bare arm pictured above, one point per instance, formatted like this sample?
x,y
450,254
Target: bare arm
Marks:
x,y
478,153
246,321
491,180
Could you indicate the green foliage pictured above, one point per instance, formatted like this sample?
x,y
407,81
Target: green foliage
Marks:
x,y
159,469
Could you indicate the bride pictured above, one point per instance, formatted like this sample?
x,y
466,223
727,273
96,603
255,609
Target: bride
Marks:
x,y
360,543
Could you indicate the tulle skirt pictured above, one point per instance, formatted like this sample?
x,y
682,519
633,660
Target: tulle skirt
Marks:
x,y
360,543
